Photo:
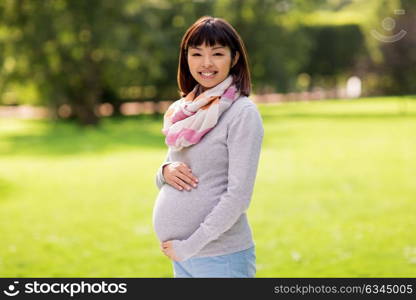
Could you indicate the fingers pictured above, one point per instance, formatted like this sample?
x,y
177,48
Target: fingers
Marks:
x,y
180,176
187,172
167,249
173,183
185,181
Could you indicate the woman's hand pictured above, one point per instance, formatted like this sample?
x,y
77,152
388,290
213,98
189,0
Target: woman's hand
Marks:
x,y
167,248
179,175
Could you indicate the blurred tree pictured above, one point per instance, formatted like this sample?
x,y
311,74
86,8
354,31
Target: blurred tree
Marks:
x,y
337,50
82,52
56,44
277,45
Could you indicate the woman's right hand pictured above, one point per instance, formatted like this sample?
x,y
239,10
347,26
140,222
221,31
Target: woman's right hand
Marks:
x,y
179,175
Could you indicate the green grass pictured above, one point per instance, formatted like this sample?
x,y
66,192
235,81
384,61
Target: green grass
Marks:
x,y
335,194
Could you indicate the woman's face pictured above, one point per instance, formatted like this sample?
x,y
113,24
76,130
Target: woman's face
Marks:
x,y
210,65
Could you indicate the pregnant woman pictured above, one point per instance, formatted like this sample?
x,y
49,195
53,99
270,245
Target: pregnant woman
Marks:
x,y
214,134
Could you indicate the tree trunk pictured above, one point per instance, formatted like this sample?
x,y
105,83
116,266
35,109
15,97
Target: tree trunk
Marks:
x,y
85,107
85,113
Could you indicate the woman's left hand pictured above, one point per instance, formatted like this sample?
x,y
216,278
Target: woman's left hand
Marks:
x,y
167,248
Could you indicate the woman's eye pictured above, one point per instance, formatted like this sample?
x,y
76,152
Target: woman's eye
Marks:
x,y
215,54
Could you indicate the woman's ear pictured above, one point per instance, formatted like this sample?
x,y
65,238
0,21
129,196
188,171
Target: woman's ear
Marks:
x,y
236,57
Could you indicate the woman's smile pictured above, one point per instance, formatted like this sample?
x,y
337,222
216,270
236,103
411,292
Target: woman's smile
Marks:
x,y
208,75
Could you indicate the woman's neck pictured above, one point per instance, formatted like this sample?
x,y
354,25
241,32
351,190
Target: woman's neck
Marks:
x,y
200,90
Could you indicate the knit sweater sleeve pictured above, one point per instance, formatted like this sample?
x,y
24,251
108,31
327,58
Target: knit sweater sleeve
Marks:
x,y
245,135
160,180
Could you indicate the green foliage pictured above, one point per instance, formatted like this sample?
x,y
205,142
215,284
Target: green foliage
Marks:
x,y
261,23
334,194
336,50
84,52
79,52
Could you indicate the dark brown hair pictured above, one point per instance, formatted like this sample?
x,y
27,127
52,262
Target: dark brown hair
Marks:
x,y
210,31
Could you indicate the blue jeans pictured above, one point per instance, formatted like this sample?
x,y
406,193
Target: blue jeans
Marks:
x,y
238,264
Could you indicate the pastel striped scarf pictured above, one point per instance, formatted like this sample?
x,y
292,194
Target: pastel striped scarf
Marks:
x,y
187,120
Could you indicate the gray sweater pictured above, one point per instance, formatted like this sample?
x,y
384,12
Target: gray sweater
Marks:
x,y
211,219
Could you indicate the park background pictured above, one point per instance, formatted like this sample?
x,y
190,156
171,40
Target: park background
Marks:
x,y
84,84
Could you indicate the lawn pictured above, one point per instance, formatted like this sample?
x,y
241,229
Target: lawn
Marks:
x,y
335,194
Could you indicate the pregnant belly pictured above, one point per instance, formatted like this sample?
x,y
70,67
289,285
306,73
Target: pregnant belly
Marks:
x,y
177,214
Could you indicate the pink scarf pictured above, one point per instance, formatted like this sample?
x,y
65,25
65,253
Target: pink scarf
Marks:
x,y
187,120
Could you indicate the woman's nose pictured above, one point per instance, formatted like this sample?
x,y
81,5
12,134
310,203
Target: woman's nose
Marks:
x,y
206,62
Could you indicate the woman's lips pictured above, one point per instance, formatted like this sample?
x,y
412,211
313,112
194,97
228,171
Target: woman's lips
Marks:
x,y
208,75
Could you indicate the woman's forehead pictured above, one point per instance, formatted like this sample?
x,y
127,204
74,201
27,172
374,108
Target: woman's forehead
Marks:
x,y
214,47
